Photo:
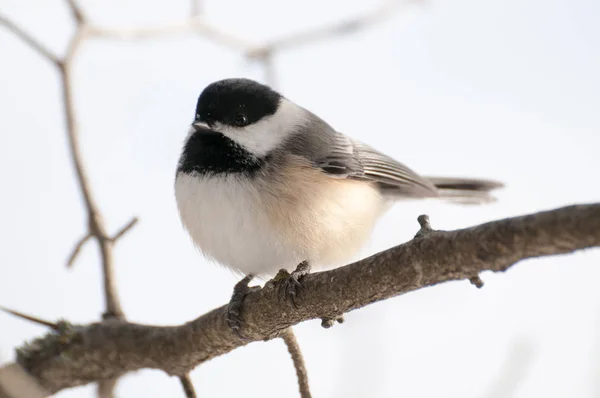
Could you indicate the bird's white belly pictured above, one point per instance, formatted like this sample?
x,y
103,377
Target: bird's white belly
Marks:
x,y
256,227
225,219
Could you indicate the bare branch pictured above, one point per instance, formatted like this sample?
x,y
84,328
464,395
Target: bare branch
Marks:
x,y
31,318
329,31
113,347
96,224
77,249
73,138
76,12
514,369
187,385
30,41
125,229
74,44
95,220
197,25
269,69
195,8
289,338
106,388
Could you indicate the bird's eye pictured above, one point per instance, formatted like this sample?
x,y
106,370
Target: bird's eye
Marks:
x,y
240,120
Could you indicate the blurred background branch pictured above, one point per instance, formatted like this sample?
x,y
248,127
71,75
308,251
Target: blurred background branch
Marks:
x,y
517,364
96,225
188,386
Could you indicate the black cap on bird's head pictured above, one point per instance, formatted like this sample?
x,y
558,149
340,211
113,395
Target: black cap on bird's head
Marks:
x,y
236,102
248,115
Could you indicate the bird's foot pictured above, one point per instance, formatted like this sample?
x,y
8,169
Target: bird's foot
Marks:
x,y
290,285
236,304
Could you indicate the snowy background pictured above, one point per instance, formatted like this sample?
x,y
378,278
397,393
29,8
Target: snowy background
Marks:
x,y
505,89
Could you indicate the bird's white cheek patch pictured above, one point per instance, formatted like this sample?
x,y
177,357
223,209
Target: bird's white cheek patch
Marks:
x,y
262,137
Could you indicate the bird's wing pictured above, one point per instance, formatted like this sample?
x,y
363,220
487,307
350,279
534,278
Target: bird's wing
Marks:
x,y
348,158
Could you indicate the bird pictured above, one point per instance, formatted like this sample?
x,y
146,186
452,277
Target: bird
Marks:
x,y
263,184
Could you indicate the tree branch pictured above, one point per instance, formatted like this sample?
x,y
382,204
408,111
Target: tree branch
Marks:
x,y
195,8
329,31
124,229
62,360
76,12
77,249
30,318
30,41
106,388
196,24
262,52
289,338
96,225
187,385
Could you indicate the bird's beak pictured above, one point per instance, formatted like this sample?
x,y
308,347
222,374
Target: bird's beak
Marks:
x,y
201,126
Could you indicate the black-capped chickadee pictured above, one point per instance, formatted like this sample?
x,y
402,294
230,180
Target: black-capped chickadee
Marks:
x,y
263,184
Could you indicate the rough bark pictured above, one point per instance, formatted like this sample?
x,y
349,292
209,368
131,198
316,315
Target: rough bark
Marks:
x,y
80,354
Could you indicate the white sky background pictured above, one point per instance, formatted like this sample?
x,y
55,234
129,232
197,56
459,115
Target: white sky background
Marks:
x,y
499,88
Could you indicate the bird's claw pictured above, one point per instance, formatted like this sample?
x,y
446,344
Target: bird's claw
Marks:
x,y
291,283
232,317
236,304
291,287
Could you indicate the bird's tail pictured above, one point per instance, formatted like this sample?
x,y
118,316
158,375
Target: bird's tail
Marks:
x,y
465,190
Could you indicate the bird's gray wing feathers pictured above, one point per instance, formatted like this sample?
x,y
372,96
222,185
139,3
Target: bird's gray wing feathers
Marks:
x,y
391,174
349,158
343,157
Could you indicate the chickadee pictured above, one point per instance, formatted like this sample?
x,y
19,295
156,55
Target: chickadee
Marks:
x,y
264,184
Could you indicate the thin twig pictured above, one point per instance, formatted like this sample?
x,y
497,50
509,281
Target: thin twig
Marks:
x,y
289,338
30,41
31,318
513,371
188,386
329,31
197,25
73,138
106,388
77,249
95,220
76,12
195,8
124,229
96,226
268,64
